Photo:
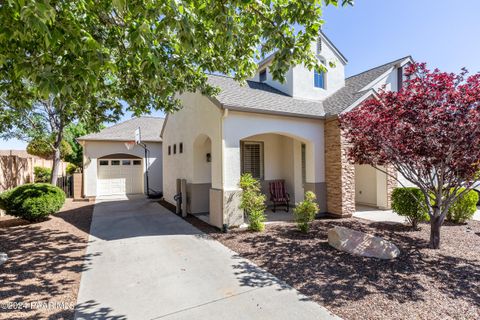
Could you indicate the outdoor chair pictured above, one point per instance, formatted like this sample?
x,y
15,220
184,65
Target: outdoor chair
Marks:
x,y
279,194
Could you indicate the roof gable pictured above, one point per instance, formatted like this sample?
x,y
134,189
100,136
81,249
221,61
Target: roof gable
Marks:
x,y
125,131
358,85
261,98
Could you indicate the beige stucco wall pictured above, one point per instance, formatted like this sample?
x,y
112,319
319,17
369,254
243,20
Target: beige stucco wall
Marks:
x,y
199,117
96,149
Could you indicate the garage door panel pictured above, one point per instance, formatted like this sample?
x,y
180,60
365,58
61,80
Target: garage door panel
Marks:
x,y
124,178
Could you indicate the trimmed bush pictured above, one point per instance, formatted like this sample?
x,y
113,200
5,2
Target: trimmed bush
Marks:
x,y
464,208
42,174
32,201
305,211
253,202
410,203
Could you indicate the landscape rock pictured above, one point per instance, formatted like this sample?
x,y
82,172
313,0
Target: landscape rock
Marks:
x,y
3,258
361,244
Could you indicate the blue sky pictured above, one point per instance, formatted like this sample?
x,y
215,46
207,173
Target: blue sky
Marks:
x,y
445,34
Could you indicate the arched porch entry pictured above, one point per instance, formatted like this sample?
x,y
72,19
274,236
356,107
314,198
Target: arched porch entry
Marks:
x,y
280,156
198,189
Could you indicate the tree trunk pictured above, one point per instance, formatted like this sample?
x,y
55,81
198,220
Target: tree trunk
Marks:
x,y
56,158
435,224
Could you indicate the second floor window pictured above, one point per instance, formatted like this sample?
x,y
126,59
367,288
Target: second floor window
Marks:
x,y
263,75
319,79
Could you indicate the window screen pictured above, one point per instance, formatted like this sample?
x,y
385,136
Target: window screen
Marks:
x,y
252,159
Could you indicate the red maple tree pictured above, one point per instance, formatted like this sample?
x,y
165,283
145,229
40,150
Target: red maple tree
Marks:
x,y
429,131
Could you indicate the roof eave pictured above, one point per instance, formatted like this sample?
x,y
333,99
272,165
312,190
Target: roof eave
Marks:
x,y
278,113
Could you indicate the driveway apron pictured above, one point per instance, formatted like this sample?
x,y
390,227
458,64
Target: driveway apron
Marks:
x,y
143,262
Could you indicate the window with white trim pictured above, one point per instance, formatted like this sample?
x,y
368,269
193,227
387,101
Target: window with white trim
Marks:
x,y
252,159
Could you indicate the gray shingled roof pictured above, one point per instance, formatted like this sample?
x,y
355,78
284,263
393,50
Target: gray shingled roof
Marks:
x,y
260,97
150,128
346,96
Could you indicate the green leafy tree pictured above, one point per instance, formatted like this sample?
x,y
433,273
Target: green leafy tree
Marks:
x,y
66,61
43,148
72,132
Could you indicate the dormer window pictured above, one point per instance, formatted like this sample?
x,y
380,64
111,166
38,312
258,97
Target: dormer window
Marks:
x,y
319,79
263,75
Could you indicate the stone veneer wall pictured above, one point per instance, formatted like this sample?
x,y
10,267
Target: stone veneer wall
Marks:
x,y
392,183
339,172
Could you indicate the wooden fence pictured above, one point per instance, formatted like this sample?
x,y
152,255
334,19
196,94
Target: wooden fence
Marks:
x,y
17,169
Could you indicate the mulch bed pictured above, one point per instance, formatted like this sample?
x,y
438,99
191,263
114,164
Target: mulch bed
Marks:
x,y
420,284
42,276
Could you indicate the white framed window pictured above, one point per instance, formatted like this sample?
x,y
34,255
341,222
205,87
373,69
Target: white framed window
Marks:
x,y
126,162
104,162
137,162
115,162
252,158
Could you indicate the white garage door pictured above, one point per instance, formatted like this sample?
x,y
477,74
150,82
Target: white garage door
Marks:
x,y
119,176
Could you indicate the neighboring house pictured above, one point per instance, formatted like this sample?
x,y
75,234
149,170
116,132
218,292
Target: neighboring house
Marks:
x,y
275,131
115,165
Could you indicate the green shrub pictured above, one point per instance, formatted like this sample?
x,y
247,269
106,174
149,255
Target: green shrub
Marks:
x,y
410,203
464,208
33,201
42,174
71,168
305,211
253,202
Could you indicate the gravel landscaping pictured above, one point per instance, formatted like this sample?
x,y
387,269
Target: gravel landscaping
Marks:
x,y
420,284
41,278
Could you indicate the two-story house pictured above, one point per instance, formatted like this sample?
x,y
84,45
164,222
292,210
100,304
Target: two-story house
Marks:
x,y
275,130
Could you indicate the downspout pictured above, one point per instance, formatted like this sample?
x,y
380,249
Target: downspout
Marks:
x,y
224,115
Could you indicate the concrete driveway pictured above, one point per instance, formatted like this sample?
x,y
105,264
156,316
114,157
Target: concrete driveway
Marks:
x,y
147,263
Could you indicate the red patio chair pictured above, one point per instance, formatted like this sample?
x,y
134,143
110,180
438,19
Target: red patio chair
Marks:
x,y
279,194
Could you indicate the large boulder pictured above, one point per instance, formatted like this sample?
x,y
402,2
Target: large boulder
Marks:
x,y
361,244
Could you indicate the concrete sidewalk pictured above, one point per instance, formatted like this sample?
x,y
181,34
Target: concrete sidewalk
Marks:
x,y
150,264
377,215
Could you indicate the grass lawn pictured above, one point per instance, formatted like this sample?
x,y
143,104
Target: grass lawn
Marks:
x,y
45,262
420,284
